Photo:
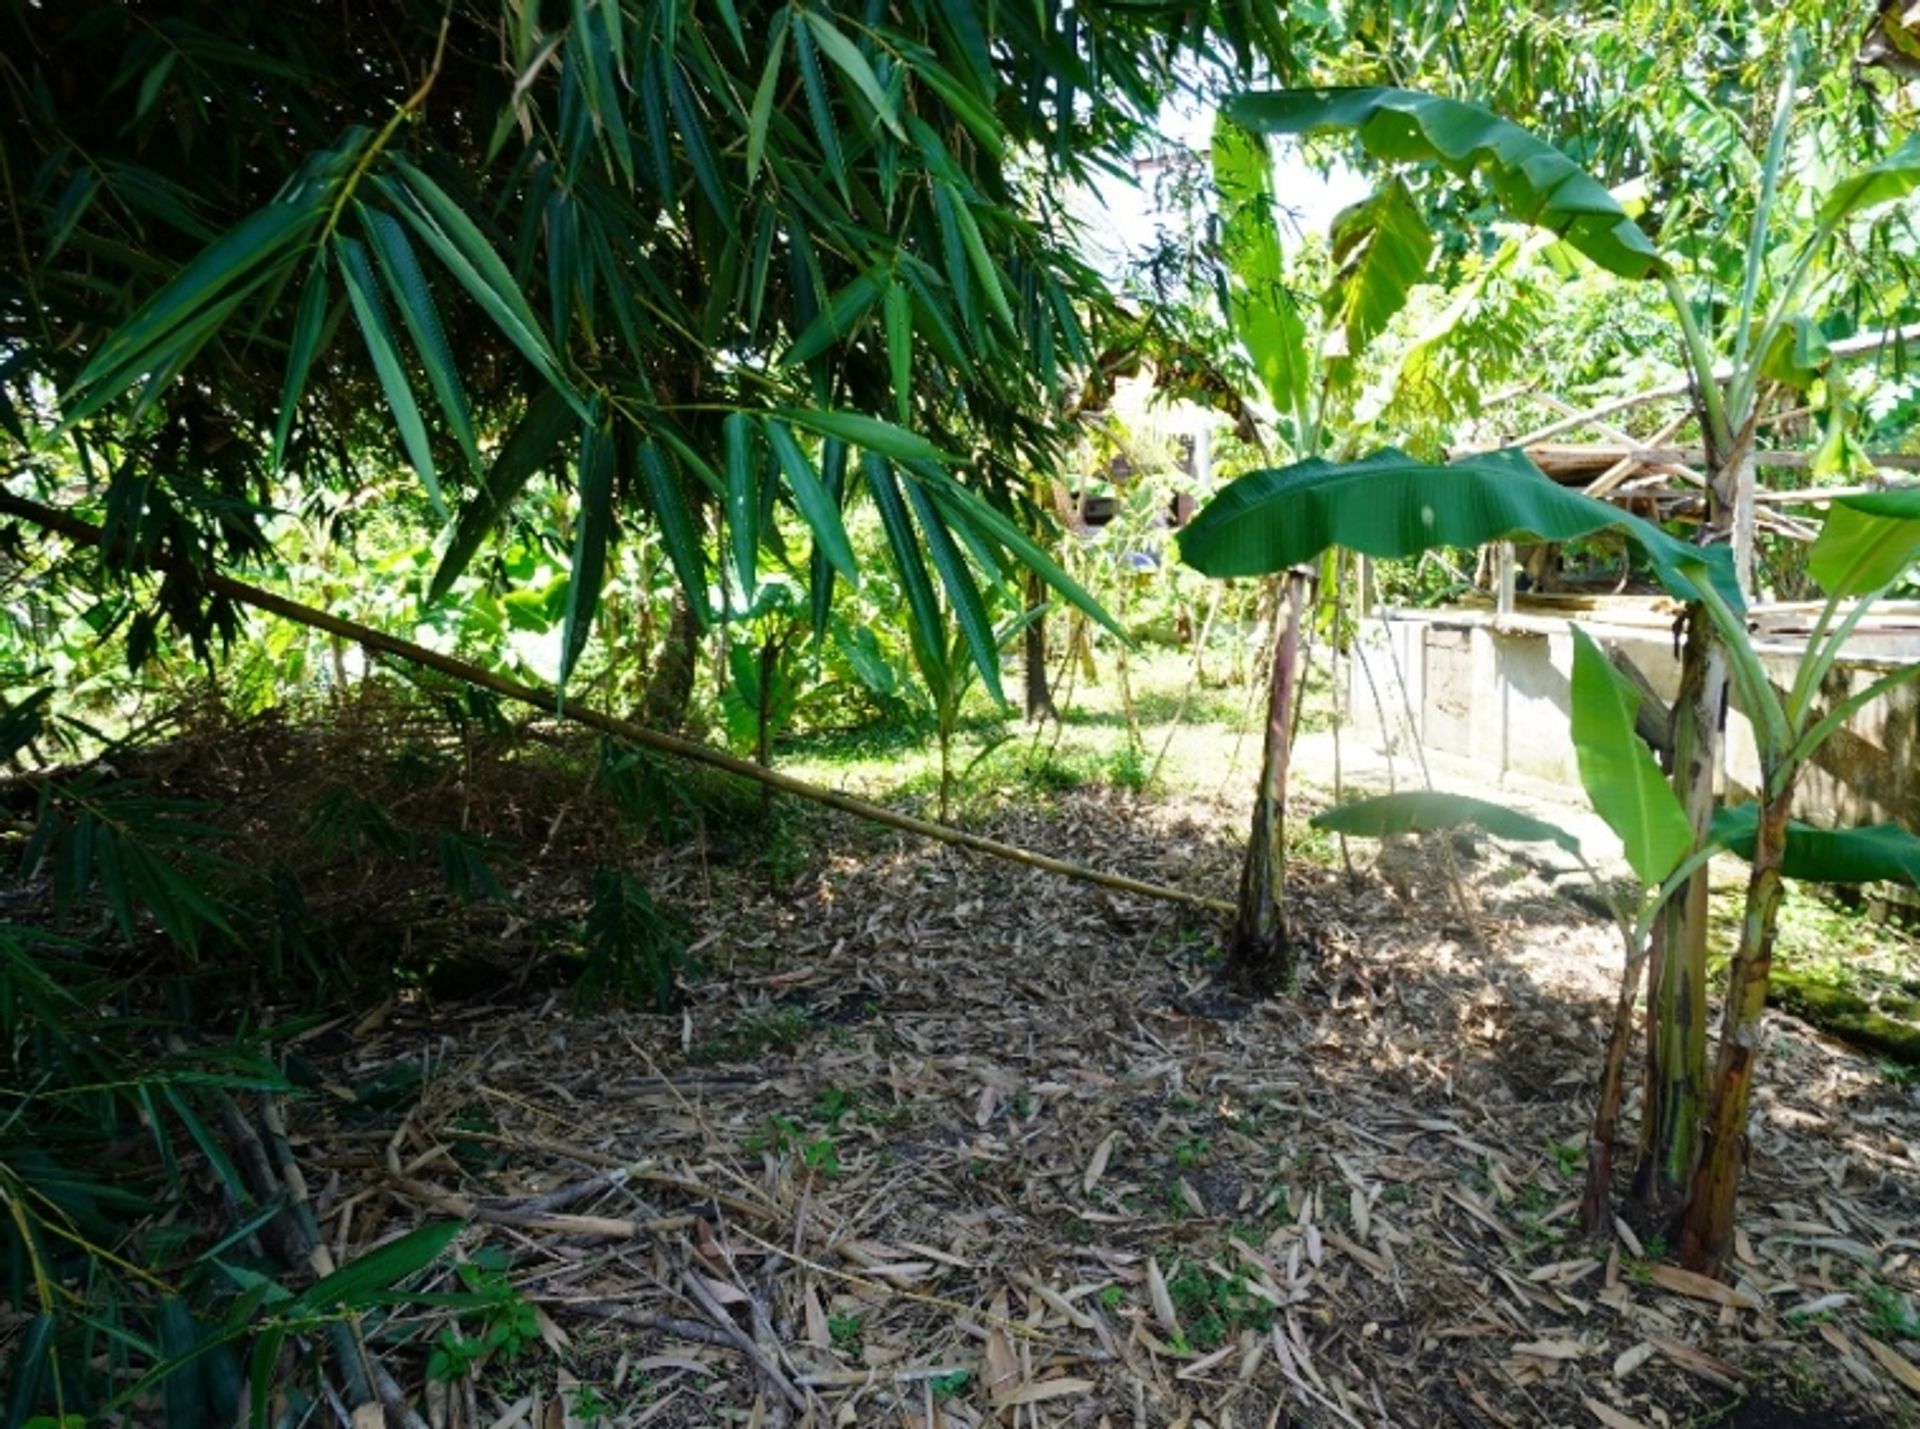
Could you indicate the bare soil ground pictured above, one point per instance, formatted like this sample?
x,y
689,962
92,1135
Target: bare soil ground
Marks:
x,y
940,1141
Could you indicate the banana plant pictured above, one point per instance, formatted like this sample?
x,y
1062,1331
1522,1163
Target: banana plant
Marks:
x,y
1536,184
1391,505
1379,249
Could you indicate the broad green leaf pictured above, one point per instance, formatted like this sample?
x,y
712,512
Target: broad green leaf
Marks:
x,y
743,500
1420,811
1875,853
301,351
899,318
1259,308
531,446
368,310
351,1286
595,526
1866,541
1894,177
1392,505
1798,355
1533,181
678,530
1380,250
1617,769
844,53
415,300
868,433
963,595
818,507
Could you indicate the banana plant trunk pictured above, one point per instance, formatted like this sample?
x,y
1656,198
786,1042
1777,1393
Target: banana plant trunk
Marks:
x,y
1260,956
1596,1205
1706,1231
1676,1073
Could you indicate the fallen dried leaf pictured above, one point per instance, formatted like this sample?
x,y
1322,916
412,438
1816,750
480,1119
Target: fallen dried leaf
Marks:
x,y
1893,1362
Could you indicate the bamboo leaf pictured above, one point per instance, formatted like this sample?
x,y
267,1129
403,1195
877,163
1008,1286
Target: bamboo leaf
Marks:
x,y
819,508
693,137
381,1268
921,603
868,433
1621,778
982,263
530,446
844,53
820,567
595,518
839,319
819,106
743,501
677,528
899,319
589,47
257,241
1533,181
761,114
301,351
965,508
1430,811
445,228
963,595
415,300
367,310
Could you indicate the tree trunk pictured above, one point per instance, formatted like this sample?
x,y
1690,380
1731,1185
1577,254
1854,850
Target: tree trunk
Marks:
x,y
670,688
1706,1233
1260,950
1039,697
1676,1076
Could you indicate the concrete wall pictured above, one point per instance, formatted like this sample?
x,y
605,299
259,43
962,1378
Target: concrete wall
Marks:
x,y
1494,690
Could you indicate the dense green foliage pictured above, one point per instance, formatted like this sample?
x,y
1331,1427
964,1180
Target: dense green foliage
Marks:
x,y
743,364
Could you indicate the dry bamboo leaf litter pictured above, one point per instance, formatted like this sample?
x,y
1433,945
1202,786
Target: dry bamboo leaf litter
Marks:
x,y
947,1142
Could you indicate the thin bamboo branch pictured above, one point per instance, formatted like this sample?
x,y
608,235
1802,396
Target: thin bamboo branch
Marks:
x,y
83,532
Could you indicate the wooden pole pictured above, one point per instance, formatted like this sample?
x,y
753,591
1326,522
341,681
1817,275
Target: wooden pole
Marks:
x,y
547,701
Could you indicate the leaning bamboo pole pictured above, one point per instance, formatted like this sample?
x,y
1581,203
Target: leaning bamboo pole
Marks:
x,y
547,701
